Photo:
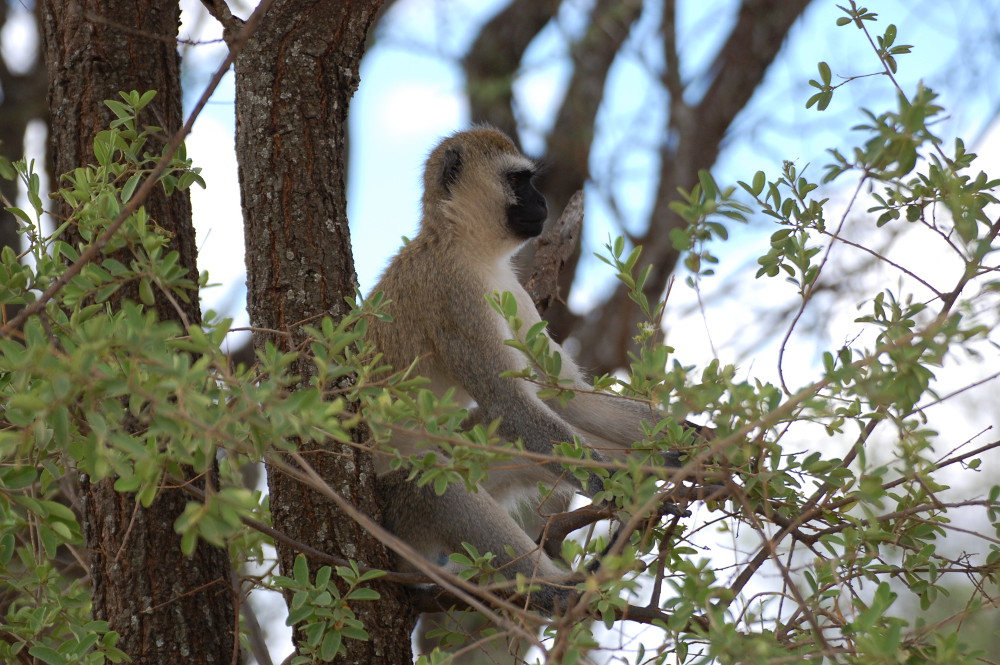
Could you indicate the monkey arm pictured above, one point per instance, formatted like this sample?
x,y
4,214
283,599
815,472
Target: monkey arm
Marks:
x,y
607,422
475,359
615,420
438,525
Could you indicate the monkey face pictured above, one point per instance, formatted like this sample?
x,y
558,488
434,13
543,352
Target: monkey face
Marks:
x,y
482,187
527,215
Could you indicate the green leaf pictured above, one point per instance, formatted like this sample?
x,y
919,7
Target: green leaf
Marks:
x,y
680,239
7,171
299,614
323,576
20,214
47,655
371,575
146,292
824,73
118,108
16,478
708,185
145,99
103,148
189,540
26,402
363,594
331,645
890,35
129,188
301,570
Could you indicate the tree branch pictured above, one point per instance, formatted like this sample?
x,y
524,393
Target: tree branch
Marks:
x,y
693,141
572,135
493,60
552,250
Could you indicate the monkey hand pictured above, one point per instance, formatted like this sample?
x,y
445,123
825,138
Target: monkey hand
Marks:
x,y
668,508
665,508
594,483
673,459
554,598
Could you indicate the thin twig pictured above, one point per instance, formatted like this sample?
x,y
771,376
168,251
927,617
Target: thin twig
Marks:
x,y
148,184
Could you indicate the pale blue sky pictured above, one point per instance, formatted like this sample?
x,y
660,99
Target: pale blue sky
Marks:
x,y
411,94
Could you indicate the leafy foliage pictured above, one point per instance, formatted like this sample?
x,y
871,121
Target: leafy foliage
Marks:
x,y
324,612
832,546
79,378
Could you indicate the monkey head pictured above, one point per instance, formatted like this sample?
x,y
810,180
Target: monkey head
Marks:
x,y
482,187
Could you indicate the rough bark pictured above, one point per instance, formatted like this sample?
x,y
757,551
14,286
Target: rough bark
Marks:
x,y
693,140
167,607
552,250
294,81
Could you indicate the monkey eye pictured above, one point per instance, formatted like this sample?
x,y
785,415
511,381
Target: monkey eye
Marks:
x,y
517,178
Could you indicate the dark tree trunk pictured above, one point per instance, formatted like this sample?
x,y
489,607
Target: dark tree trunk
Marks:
x,y
169,609
294,81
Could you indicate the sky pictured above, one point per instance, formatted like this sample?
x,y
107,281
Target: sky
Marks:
x,y
411,95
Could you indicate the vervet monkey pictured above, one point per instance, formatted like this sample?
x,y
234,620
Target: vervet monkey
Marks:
x,y
479,207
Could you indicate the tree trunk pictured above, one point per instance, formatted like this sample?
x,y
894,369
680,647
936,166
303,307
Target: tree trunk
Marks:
x,y
294,81
169,609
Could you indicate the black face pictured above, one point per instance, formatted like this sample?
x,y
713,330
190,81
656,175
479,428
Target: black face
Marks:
x,y
526,217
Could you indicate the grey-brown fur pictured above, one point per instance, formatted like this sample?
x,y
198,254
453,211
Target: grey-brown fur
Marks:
x,y
437,285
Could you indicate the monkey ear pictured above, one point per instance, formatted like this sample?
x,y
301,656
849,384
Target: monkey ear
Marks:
x,y
451,168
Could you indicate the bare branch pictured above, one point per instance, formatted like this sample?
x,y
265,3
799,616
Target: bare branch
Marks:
x,y
694,140
495,56
219,10
147,184
572,135
552,250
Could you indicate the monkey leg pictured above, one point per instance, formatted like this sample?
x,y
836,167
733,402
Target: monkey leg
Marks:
x,y
437,525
